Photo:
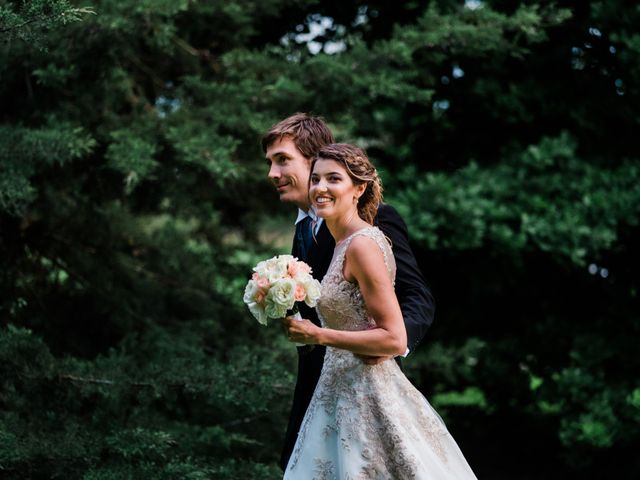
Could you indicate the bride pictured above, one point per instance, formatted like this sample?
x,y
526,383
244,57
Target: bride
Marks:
x,y
364,421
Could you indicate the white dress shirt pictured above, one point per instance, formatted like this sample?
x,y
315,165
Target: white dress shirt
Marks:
x,y
315,219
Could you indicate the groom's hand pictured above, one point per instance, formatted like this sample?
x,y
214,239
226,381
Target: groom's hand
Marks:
x,y
371,360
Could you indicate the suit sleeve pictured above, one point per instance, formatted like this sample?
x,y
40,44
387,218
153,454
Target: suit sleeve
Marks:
x,y
416,301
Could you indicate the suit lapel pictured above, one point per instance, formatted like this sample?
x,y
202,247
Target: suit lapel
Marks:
x,y
321,252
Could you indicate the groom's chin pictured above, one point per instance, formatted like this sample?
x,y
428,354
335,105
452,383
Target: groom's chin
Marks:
x,y
290,197
284,197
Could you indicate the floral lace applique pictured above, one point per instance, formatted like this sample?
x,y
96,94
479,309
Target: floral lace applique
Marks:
x,y
324,470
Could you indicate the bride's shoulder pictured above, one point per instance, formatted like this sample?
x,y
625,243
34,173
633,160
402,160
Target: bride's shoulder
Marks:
x,y
367,258
366,243
374,234
370,231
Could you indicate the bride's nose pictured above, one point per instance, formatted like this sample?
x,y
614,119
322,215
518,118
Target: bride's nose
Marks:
x,y
320,186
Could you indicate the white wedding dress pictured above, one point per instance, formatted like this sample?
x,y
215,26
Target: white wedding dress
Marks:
x,y
368,422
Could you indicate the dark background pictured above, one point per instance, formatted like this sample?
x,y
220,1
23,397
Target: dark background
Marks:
x,y
134,202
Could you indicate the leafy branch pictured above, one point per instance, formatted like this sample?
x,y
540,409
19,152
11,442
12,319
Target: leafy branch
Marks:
x,y
66,16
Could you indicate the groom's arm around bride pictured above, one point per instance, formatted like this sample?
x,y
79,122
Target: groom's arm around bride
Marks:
x,y
416,301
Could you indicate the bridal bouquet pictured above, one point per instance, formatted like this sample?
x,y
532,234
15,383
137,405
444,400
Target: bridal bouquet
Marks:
x,y
277,284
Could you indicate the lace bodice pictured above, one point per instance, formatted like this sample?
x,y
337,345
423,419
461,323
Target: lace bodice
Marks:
x,y
341,305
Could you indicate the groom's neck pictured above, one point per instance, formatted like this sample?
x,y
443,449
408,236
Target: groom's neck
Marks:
x,y
305,207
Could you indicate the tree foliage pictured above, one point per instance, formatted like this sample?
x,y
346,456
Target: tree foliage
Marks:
x,y
133,203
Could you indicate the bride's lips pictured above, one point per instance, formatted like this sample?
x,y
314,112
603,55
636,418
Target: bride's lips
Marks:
x,y
322,200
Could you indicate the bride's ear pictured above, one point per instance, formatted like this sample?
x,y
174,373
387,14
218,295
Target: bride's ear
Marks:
x,y
360,188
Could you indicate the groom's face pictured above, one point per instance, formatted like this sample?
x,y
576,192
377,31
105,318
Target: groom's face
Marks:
x,y
289,172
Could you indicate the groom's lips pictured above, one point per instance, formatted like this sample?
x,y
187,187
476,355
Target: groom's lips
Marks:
x,y
281,187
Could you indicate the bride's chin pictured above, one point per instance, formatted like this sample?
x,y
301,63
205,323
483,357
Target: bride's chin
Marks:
x,y
320,211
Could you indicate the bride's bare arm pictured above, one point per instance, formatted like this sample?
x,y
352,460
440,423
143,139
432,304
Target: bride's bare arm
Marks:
x,y
364,265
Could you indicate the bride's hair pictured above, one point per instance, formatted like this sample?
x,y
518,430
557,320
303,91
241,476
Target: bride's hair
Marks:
x,y
361,170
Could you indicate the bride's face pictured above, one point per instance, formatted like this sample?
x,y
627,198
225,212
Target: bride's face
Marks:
x,y
331,190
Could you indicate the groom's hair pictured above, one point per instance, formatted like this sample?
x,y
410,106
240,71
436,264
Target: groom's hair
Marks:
x,y
308,132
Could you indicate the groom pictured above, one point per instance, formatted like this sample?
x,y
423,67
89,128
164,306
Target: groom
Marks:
x,y
289,147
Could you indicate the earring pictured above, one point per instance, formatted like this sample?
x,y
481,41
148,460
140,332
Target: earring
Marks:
x,y
355,200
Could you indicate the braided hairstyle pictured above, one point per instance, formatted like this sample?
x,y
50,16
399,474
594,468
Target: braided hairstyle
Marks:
x,y
361,170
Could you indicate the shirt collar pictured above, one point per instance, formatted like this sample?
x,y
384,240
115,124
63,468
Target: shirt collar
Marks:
x,y
302,215
314,217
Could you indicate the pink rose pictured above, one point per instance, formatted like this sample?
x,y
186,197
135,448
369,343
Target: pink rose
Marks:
x,y
304,268
263,283
292,269
300,293
255,276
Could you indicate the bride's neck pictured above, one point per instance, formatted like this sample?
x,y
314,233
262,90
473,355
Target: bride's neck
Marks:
x,y
341,228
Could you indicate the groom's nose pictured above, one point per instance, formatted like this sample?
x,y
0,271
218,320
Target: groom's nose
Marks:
x,y
274,171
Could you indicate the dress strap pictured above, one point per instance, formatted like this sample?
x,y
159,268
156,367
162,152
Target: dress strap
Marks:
x,y
381,240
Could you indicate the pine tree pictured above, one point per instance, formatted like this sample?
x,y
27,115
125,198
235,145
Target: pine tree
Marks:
x,y
133,204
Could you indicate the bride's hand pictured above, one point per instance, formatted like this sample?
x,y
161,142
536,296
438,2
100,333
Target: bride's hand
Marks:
x,y
301,331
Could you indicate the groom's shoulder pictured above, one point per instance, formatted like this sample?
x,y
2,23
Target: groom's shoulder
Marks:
x,y
388,214
385,208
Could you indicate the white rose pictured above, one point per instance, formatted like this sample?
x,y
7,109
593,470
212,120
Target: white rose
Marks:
x,y
250,292
274,270
281,298
286,259
312,287
258,312
261,268
303,277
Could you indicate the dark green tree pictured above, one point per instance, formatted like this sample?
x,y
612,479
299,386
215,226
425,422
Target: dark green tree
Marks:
x,y
133,204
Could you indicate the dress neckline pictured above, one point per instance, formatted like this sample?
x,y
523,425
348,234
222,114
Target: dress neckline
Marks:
x,y
354,233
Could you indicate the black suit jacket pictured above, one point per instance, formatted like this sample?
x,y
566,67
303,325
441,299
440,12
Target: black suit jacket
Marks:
x,y
413,295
